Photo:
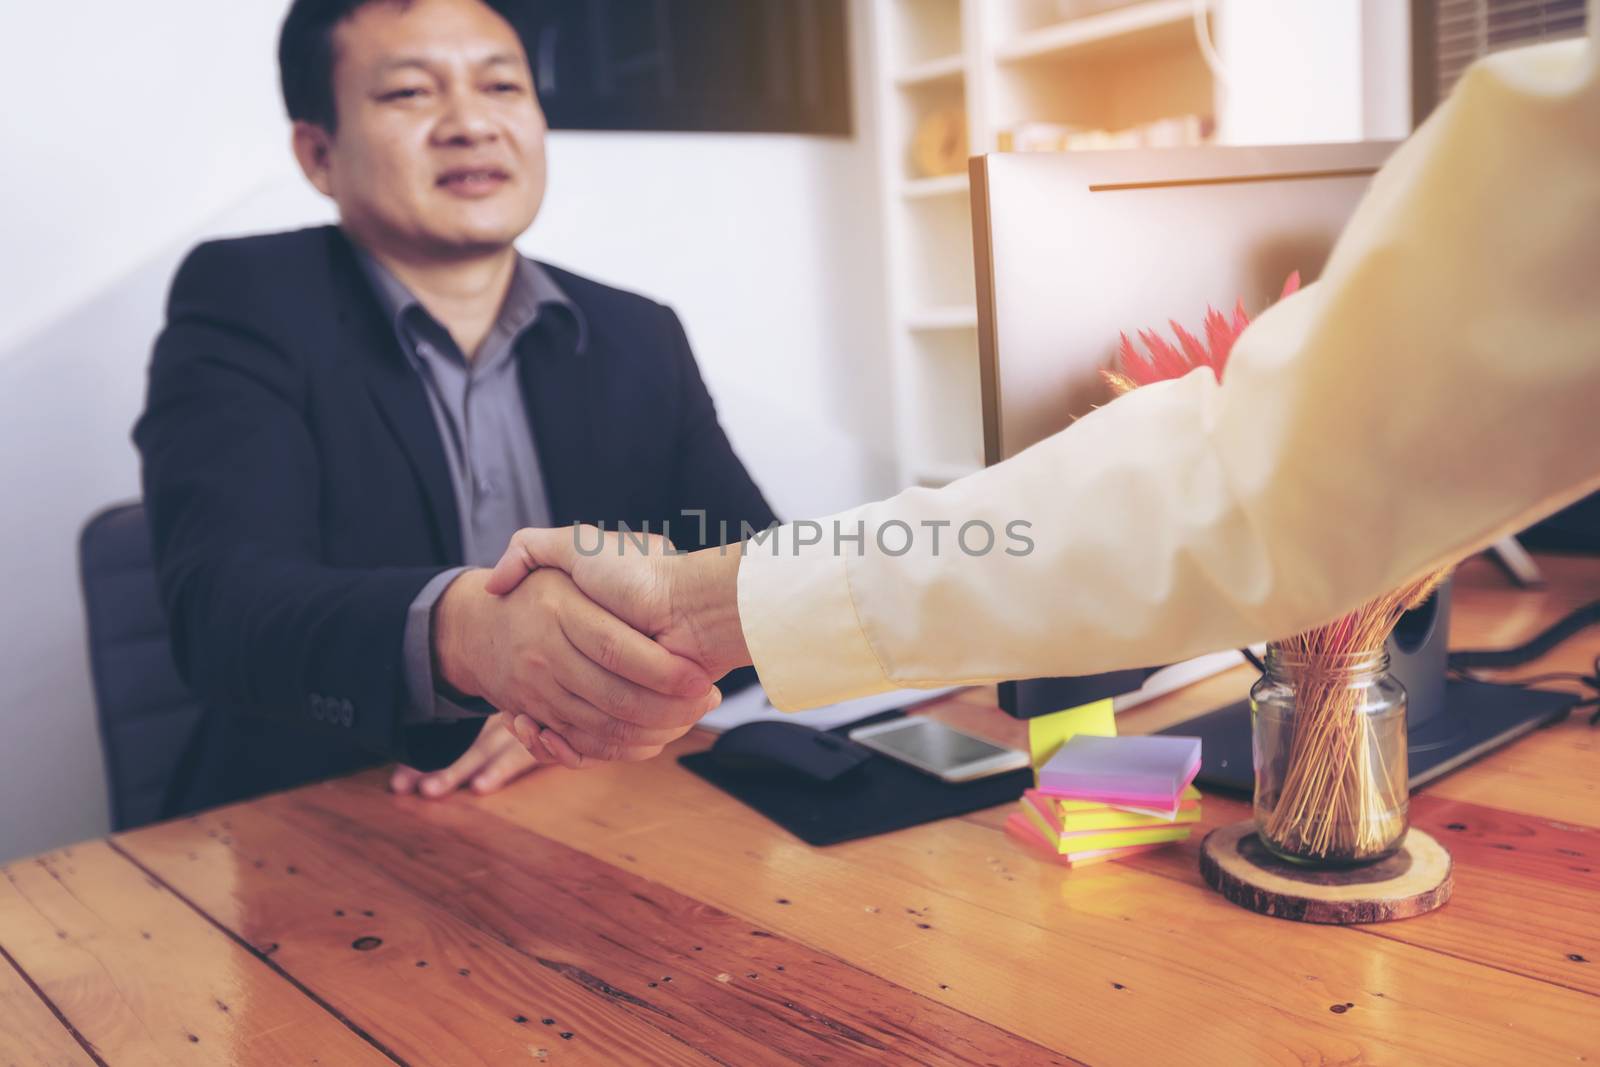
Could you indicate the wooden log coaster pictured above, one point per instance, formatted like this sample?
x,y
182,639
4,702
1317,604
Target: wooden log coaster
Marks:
x,y
1413,881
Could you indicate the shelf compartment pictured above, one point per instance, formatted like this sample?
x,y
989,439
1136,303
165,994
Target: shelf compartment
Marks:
x,y
1137,25
931,188
937,255
932,72
1107,88
943,433
919,30
935,319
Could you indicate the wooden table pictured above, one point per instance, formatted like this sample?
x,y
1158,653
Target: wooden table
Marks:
x,y
636,915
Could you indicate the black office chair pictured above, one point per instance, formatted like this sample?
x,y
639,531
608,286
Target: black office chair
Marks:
x,y
146,713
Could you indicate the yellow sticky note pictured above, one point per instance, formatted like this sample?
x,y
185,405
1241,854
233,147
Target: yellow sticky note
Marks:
x,y
1047,732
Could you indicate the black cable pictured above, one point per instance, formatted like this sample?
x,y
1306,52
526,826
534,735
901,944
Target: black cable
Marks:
x,y
1589,682
1537,679
1578,620
1592,680
1461,663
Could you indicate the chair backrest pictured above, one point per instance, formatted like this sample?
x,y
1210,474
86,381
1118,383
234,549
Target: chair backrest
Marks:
x,y
146,713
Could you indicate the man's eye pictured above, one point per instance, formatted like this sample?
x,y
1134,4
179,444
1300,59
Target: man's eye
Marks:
x,y
409,93
506,87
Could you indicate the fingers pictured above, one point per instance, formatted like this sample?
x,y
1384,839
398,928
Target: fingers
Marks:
x,y
621,650
529,550
442,783
493,761
571,716
516,563
435,784
511,762
614,697
404,780
527,733
584,750
573,748
536,738
560,750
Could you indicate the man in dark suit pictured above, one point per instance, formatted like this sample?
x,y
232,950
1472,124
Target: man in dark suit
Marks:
x,y
346,424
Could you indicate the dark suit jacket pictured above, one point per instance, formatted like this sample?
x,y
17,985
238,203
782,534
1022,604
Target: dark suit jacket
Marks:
x,y
299,499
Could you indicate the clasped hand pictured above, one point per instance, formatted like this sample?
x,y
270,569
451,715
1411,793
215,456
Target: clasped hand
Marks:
x,y
593,656
662,622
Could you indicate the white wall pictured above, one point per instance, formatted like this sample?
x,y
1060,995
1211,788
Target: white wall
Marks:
x,y
149,134
1300,71
767,247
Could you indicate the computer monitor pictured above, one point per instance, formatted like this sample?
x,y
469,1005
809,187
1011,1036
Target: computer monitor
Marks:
x,y
1074,249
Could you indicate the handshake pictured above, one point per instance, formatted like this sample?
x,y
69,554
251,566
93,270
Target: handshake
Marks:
x,y
593,655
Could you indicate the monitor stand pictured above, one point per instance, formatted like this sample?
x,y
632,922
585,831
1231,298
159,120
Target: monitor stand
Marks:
x,y
1476,718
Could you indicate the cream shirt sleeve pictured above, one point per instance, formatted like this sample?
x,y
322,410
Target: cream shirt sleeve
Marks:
x,y
1438,388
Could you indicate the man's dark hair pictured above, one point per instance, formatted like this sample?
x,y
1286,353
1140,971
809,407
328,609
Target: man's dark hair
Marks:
x,y
305,58
305,55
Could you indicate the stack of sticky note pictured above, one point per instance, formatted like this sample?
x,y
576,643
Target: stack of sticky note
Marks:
x,y
1100,797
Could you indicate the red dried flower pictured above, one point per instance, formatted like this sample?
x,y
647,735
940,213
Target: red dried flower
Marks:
x,y
1165,361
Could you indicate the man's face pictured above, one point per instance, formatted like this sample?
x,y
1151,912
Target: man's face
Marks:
x,y
439,152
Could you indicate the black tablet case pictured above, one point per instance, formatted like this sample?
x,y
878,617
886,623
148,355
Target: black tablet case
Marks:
x,y
879,796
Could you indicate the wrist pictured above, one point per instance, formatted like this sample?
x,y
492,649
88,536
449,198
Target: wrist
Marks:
x,y
706,598
457,623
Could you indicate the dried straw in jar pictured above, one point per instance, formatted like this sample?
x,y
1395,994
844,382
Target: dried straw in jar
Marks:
x,y
1340,800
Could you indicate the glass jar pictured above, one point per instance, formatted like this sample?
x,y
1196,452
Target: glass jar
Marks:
x,y
1329,744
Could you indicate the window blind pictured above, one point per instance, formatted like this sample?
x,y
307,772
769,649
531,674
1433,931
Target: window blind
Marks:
x,y
1464,30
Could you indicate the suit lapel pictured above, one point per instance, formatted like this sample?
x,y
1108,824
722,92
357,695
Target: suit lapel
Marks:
x,y
398,393
560,397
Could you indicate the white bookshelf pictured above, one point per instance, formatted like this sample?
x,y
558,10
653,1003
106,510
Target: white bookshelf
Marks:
x,y
932,71
944,185
999,62
951,317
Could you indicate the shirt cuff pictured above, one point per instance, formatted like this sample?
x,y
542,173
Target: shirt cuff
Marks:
x,y
800,620
426,700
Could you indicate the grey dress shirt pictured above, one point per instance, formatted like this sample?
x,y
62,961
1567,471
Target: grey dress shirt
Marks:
x,y
489,447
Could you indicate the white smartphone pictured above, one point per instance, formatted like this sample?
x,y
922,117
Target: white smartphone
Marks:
x,y
942,751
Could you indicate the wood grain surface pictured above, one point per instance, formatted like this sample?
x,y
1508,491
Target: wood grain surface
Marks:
x,y
634,914
145,979
31,1032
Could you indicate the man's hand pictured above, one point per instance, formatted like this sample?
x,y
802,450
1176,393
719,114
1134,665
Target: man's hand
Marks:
x,y
495,760
688,603
550,653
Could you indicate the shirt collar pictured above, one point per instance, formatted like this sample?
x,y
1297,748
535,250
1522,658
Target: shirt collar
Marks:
x,y
532,291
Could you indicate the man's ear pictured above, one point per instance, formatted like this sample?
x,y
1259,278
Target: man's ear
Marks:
x,y
312,145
